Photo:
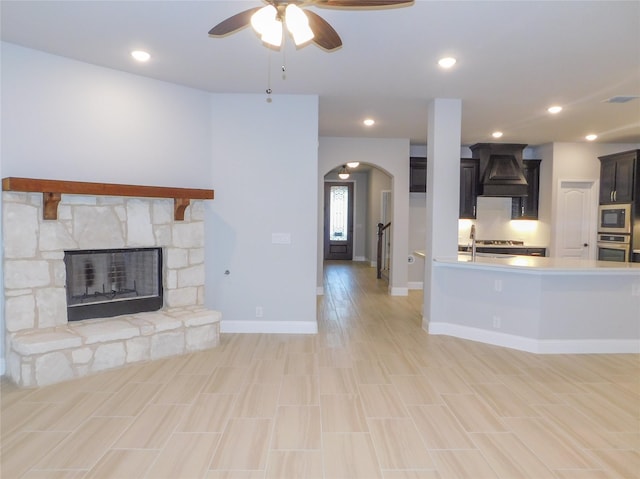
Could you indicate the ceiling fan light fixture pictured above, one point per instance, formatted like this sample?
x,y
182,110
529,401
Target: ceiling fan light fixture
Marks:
x,y
263,19
273,34
298,24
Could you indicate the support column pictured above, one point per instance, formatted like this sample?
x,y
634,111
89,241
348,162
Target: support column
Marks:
x,y
443,188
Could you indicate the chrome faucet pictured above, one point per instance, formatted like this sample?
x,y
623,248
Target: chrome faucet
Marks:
x,y
472,236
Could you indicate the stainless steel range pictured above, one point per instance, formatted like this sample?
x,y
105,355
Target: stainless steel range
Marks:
x,y
499,242
507,247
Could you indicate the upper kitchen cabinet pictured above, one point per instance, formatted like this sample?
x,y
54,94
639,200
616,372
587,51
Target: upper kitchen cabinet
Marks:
x,y
526,207
469,180
618,177
417,175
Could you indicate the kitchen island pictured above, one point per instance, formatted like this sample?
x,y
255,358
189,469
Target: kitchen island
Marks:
x,y
537,304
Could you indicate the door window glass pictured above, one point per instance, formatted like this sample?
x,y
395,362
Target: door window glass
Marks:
x,y
339,208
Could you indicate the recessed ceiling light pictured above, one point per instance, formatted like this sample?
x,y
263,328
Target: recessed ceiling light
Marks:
x,y
447,62
554,109
591,137
496,134
369,122
140,55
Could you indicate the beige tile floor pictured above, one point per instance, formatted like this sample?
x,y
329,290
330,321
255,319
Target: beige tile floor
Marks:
x,y
371,396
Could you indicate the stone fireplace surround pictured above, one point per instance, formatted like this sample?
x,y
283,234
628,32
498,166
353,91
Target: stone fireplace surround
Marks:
x,y
41,346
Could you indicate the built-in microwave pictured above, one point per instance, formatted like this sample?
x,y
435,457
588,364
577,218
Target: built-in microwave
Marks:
x,y
614,219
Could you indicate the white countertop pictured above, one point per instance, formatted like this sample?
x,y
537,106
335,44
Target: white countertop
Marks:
x,y
534,264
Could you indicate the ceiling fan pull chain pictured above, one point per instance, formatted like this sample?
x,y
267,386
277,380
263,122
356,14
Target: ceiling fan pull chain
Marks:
x,y
268,90
284,64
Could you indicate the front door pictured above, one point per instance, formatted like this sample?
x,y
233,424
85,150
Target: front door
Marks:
x,y
338,220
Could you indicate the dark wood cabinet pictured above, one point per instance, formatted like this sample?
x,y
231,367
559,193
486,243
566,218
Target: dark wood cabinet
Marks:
x,y
618,177
469,180
526,207
417,175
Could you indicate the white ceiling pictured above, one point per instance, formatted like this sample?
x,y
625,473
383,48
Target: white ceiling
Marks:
x,y
515,58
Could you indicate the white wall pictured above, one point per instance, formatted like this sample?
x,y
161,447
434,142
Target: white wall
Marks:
x,y
68,120
392,156
264,169
2,320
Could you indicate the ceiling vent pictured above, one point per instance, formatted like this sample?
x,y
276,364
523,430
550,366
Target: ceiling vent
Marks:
x,y
621,98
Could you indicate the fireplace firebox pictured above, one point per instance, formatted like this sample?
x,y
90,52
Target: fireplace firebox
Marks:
x,y
113,282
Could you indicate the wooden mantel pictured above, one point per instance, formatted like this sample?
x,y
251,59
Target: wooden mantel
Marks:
x,y
52,191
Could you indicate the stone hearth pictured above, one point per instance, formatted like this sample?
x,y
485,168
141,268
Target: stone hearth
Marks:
x,y
41,346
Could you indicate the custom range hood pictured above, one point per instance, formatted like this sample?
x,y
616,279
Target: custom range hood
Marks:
x,y
500,169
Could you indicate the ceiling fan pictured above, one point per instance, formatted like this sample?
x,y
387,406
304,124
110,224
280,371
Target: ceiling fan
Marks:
x,y
304,25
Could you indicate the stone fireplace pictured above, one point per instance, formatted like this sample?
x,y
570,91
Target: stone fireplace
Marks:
x,y
42,345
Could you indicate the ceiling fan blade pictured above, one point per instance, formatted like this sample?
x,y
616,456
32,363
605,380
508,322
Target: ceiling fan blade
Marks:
x,y
324,34
233,23
361,3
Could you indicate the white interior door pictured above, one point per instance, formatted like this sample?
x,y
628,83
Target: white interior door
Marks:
x,y
576,220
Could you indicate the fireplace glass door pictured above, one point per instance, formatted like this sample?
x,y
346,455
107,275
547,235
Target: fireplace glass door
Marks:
x,y
105,283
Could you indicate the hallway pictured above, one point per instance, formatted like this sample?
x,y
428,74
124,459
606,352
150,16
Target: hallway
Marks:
x,y
370,396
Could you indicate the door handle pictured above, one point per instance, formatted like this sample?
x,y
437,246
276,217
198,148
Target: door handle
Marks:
x,y
586,245
615,195
611,195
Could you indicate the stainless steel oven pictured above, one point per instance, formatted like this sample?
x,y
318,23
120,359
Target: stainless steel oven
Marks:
x,y
613,247
614,219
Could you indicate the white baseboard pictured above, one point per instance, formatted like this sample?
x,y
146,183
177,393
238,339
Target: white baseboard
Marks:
x,y
320,291
359,258
538,346
397,291
269,327
415,285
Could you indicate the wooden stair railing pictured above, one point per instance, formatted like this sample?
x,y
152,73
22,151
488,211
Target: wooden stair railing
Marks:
x,y
381,229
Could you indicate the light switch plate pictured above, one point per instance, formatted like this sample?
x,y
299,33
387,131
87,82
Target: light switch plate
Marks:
x,y
281,238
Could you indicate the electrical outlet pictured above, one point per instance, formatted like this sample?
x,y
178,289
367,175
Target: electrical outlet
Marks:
x,y
259,311
497,285
496,322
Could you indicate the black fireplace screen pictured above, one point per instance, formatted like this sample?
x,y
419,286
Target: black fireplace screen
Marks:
x,y
105,283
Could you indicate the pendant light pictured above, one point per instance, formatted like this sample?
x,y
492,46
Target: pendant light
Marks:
x,y
343,174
